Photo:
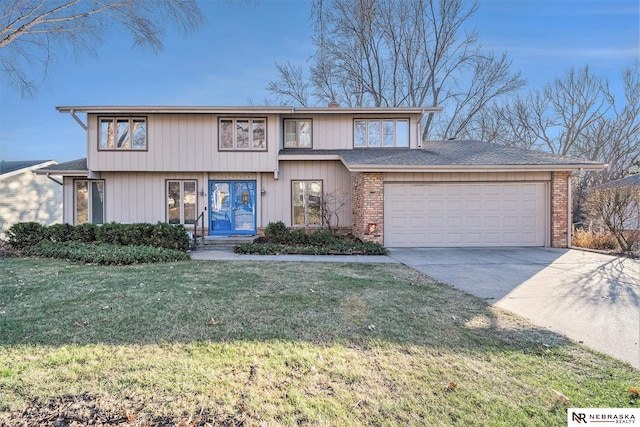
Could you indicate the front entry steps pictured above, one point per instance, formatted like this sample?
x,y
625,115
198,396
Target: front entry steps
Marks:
x,y
222,242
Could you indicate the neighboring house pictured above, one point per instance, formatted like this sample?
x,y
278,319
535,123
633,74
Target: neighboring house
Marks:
x,y
631,219
25,196
243,167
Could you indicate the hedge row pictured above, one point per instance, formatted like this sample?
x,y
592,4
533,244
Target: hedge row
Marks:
x,y
279,239
160,235
104,253
340,247
278,232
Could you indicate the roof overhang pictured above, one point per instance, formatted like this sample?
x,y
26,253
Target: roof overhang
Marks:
x,y
294,157
83,173
71,168
473,168
141,109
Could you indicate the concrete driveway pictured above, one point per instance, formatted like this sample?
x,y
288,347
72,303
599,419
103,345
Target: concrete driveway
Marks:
x,y
591,298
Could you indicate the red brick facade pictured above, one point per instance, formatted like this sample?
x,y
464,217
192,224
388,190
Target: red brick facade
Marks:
x,y
559,209
367,206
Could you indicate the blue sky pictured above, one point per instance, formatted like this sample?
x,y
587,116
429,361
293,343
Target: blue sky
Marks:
x,y
230,61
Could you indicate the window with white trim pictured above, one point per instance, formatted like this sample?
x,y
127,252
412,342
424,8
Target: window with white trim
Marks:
x,y
243,134
307,203
297,133
88,201
380,133
181,201
122,133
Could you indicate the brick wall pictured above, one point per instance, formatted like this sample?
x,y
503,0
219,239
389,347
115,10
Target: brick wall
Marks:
x,y
367,206
559,205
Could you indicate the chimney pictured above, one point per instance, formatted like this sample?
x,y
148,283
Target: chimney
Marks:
x,y
333,104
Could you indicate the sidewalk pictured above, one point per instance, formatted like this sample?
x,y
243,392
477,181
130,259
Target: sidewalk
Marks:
x,y
227,254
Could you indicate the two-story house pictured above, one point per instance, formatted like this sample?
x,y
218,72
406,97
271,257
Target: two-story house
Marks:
x,y
243,167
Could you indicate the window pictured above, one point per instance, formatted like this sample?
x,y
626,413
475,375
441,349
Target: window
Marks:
x,y
381,133
307,203
243,134
181,202
297,133
89,202
123,133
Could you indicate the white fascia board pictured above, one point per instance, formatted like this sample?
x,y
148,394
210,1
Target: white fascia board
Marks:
x,y
139,109
82,173
309,157
474,168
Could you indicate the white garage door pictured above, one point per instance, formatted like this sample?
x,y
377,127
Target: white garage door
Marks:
x,y
487,214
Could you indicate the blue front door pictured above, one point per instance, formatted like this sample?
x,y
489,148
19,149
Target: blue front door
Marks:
x,y
232,207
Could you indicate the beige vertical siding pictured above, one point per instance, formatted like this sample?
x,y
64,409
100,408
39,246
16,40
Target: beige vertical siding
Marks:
x,y
141,197
335,132
189,142
466,176
29,197
179,143
276,202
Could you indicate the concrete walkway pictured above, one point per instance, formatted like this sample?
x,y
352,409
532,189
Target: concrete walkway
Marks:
x,y
591,298
226,254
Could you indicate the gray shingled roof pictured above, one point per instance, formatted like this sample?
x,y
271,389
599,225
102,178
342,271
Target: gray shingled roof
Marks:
x,y
450,153
12,166
633,180
71,166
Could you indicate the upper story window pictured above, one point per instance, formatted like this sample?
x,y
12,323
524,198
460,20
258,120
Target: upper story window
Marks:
x,y
381,133
243,134
297,133
123,133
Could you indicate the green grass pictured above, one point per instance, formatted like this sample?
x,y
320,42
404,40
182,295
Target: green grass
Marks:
x,y
286,343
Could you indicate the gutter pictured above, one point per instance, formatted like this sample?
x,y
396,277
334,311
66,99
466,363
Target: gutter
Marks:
x,y
473,168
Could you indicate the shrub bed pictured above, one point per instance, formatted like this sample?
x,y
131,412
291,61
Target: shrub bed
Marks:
x,y
593,240
160,235
279,240
104,253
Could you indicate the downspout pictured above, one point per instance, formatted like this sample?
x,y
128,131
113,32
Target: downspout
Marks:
x,y
80,122
419,130
569,209
53,179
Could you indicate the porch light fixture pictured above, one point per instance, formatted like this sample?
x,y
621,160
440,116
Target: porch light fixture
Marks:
x,y
263,191
201,192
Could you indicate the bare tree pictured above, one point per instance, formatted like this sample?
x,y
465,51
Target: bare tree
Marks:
x,y
576,115
618,209
615,138
333,206
34,32
556,118
401,53
291,87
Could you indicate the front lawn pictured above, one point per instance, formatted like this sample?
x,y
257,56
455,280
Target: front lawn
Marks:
x,y
256,343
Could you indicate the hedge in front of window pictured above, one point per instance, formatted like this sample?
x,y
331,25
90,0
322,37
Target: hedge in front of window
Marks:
x,y
160,235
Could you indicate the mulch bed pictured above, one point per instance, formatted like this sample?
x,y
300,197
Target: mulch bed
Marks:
x,y
6,251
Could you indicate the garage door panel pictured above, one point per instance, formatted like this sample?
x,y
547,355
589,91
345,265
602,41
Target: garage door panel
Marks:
x,y
475,214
